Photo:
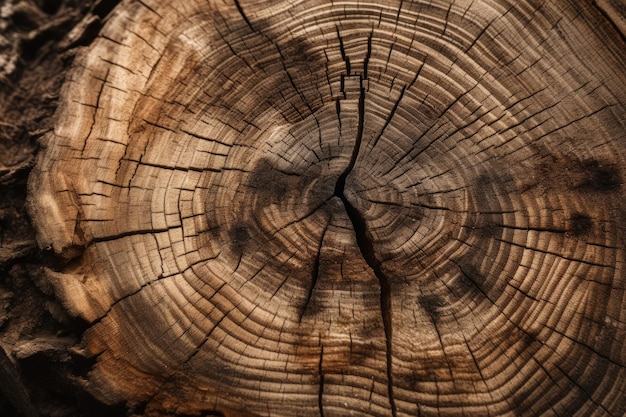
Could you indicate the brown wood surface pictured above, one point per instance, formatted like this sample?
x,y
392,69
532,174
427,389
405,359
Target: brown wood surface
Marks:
x,y
316,208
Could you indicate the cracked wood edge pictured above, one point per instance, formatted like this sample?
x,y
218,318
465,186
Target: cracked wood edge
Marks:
x,y
382,208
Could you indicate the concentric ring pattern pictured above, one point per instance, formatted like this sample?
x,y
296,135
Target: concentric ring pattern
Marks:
x,y
332,208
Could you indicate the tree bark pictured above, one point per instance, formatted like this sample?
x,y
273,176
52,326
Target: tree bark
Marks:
x,y
325,209
39,376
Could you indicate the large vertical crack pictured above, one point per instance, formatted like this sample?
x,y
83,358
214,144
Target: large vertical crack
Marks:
x,y
366,247
314,276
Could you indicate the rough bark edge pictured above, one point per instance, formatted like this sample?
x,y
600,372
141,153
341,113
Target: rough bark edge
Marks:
x,y
39,375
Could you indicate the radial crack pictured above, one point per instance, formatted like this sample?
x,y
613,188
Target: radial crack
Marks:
x,y
364,241
391,114
366,246
344,56
314,276
243,15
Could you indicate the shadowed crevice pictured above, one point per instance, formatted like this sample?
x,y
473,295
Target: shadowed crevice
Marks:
x,y
243,15
366,247
315,273
365,244
320,394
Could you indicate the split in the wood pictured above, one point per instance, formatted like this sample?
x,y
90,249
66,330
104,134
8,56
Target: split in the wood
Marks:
x,y
366,247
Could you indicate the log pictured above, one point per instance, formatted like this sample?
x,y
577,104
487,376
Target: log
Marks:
x,y
318,208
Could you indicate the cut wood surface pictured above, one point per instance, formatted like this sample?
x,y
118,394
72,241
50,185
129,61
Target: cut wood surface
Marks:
x,y
318,208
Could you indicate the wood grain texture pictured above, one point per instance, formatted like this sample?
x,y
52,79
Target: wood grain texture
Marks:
x,y
345,208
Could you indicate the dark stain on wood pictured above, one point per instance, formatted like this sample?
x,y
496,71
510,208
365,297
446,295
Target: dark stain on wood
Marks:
x,y
491,190
239,237
269,182
580,225
273,185
484,188
488,230
561,172
432,304
300,53
600,177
